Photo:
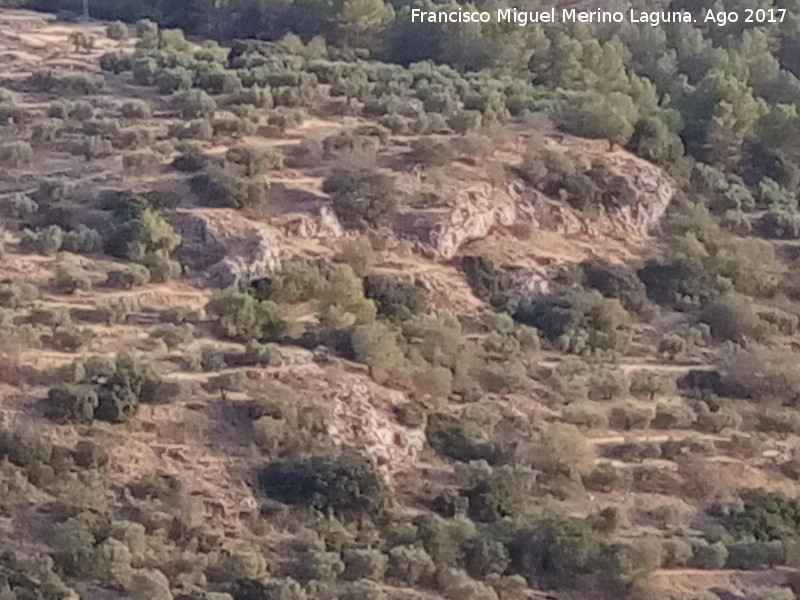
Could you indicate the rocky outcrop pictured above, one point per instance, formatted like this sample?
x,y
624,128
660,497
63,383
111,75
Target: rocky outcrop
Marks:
x,y
225,248
359,420
479,208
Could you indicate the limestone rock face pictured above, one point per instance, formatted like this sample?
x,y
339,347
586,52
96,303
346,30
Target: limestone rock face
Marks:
x,y
359,420
479,208
225,248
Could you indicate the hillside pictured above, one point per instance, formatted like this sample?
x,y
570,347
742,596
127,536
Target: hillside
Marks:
x,y
278,325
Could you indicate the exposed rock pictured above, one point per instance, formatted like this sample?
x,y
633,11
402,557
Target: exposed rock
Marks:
x,y
359,420
225,247
325,225
478,208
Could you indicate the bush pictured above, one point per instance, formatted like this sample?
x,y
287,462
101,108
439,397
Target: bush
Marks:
x,y
192,104
199,129
221,187
347,484
16,154
192,159
116,62
410,564
47,131
554,552
254,160
117,31
73,547
149,584
430,152
775,593
362,197
136,109
733,317
577,321
564,449
649,384
673,416
69,278
319,566
364,589
585,415
763,516
630,416
71,404
778,223
170,81
783,421
92,147
751,556
615,281
396,300
763,374
46,241
364,564
677,552
485,557
709,556
129,277
139,163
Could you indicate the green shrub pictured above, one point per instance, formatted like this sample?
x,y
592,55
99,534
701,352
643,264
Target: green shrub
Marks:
x,y
485,557
430,152
363,589
46,241
73,547
224,188
139,163
192,159
347,484
71,404
754,555
193,104
763,516
677,552
136,109
709,556
564,449
410,564
69,278
228,124
630,416
17,295
615,281
576,321
92,147
47,131
778,223
585,415
649,384
16,154
364,563
783,421
117,31
198,129
763,374
177,79
129,277
319,566
673,416
362,197
116,62
554,552
254,160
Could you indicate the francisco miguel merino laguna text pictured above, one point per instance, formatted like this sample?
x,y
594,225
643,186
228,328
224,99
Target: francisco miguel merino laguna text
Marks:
x,y
568,15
